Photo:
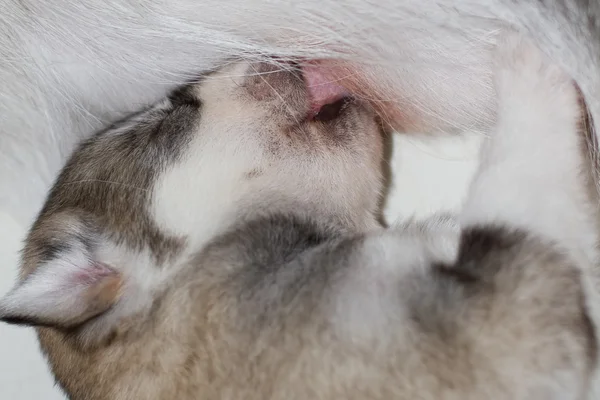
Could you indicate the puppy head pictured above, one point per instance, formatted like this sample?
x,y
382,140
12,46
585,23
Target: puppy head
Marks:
x,y
138,198
260,144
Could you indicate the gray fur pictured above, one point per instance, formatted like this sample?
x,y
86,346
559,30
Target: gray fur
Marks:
x,y
303,296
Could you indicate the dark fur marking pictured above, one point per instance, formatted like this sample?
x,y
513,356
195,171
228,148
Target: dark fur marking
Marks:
x,y
482,253
480,245
52,250
277,268
501,267
24,320
110,177
253,174
20,320
459,275
185,96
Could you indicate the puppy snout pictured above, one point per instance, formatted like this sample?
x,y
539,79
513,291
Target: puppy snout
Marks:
x,y
277,83
296,93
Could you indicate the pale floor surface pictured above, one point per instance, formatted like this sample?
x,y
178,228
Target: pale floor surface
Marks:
x,y
429,175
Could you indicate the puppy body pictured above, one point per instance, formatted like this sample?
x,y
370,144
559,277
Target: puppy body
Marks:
x,y
270,278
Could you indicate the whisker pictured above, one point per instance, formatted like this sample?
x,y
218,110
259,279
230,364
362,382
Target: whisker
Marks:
x,y
287,106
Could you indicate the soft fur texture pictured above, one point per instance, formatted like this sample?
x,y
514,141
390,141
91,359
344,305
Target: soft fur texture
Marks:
x,y
270,279
70,67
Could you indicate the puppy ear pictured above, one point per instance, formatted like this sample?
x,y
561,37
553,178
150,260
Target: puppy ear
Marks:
x,y
62,292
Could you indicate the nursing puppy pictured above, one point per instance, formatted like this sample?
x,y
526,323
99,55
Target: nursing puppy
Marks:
x,y
223,244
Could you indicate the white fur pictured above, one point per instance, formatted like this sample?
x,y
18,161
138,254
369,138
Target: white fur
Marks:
x,y
530,179
56,291
366,305
533,168
52,291
240,157
183,207
534,160
198,196
142,279
70,67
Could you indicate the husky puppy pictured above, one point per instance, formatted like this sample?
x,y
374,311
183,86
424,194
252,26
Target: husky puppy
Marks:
x,y
223,244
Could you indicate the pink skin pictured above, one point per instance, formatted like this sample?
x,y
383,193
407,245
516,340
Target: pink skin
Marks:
x,y
93,274
330,80
323,88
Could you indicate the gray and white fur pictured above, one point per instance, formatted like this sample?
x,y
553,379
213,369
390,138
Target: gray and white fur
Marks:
x,y
223,245
69,68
